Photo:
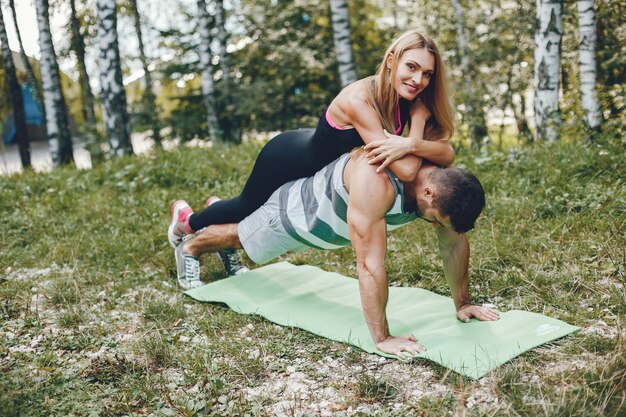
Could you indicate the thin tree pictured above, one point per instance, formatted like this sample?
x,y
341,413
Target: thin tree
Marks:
x,y
21,134
548,35
588,72
114,110
474,112
89,114
342,40
59,136
231,130
149,99
208,86
29,68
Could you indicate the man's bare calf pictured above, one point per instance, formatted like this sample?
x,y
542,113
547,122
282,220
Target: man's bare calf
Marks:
x,y
213,238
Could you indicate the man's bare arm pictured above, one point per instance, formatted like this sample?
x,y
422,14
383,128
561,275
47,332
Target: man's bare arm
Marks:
x,y
454,250
371,194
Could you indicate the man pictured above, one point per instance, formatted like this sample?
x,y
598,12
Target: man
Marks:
x,y
348,202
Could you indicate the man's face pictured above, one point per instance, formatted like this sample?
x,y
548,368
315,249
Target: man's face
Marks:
x,y
426,211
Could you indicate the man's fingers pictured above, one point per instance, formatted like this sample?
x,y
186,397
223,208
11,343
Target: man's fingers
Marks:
x,y
399,354
490,314
463,316
412,338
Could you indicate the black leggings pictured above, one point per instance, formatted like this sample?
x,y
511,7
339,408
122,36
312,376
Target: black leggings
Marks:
x,y
286,157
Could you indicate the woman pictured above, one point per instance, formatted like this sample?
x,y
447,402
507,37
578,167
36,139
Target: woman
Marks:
x,y
409,87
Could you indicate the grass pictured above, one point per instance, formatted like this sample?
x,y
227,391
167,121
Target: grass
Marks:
x,y
92,322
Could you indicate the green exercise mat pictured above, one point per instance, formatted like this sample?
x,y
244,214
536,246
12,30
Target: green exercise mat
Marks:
x,y
328,304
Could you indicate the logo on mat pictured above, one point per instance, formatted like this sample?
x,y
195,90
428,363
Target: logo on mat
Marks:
x,y
545,329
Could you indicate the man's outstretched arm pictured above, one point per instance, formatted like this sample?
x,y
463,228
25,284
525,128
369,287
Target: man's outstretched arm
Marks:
x,y
371,195
454,250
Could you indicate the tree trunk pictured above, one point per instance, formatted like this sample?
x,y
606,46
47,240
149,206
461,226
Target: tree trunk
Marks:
x,y
59,136
208,87
475,114
29,68
548,35
231,125
588,73
112,90
523,130
78,45
149,99
342,40
21,134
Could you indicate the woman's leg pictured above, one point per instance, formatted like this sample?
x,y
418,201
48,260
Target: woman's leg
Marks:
x,y
282,159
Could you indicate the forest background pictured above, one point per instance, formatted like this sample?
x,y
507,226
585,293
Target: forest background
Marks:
x,y
88,328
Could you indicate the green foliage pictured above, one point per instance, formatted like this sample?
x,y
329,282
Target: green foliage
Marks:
x,y
284,75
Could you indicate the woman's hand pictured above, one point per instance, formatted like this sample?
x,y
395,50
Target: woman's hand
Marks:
x,y
388,150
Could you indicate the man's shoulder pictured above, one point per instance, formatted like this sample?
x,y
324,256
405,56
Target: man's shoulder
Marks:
x,y
366,182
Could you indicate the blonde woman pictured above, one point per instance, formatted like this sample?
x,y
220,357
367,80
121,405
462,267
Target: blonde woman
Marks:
x,y
410,88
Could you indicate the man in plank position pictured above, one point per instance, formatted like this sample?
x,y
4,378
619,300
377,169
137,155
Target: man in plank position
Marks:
x,y
348,202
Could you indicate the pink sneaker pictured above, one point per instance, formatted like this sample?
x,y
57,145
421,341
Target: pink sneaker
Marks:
x,y
179,225
211,200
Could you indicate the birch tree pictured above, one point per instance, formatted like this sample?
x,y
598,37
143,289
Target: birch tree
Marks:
x,y
588,74
21,134
208,86
231,128
78,46
29,68
114,110
149,99
57,125
548,36
342,41
474,113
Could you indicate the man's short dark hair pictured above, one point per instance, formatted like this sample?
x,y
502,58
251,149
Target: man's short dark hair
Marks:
x,y
459,195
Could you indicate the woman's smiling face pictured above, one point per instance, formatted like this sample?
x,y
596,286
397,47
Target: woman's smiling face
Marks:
x,y
415,69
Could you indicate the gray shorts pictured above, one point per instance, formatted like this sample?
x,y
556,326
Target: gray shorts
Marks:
x,y
263,235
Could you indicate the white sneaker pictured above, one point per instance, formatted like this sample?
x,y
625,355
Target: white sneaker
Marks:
x,y
187,269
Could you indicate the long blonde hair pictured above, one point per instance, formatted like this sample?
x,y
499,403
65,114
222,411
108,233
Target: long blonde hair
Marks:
x,y
383,97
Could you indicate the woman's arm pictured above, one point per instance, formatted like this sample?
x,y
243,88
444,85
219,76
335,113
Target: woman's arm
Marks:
x,y
367,123
438,151
386,151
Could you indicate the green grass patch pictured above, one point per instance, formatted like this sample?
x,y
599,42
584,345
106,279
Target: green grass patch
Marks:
x,y
91,319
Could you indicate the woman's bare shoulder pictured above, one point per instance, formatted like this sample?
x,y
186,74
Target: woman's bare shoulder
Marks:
x,y
354,96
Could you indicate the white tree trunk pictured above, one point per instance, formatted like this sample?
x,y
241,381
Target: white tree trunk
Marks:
x,y
587,27
208,87
21,134
113,95
343,43
548,37
29,68
57,124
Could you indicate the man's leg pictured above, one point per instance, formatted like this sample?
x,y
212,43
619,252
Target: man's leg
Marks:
x,y
222,239
213,238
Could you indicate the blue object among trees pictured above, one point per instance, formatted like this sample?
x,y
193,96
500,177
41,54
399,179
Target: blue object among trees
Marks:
x,y
34,118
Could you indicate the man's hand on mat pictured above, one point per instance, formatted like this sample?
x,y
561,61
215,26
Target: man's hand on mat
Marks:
x,y
466,312
398,345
